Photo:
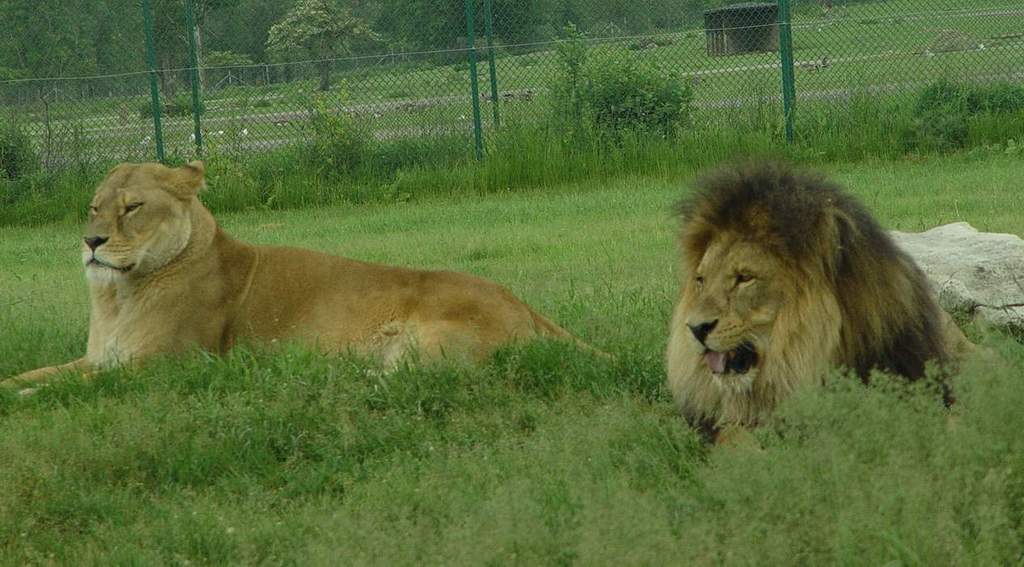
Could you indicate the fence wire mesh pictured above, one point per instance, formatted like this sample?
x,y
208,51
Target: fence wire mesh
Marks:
x,y
400,70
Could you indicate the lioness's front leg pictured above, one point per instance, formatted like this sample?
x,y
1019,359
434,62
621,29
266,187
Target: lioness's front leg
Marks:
x,y
40,375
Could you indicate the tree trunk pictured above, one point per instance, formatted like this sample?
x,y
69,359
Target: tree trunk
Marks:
x,y
325,75
168,82
199,57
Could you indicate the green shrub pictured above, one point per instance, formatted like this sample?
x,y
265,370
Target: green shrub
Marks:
x,y
338,145
9,74
944,110
970,98
616,94
941,95
225,59
567,88
621,94
998,97
943,128
180,105
17,156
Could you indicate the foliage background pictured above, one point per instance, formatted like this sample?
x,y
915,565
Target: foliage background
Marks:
x,y
73,77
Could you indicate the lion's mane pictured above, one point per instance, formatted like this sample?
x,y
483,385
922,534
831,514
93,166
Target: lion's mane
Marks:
x,y
856,300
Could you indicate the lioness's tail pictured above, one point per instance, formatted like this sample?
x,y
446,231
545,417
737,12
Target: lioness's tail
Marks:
x,y
547,328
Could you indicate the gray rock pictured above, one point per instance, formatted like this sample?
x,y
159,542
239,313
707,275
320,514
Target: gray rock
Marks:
x,y
980,273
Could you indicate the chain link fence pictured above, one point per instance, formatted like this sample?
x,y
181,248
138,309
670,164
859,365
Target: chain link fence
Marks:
x,y
413,70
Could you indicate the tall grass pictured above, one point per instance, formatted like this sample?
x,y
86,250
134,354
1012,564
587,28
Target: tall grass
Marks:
x,y
342,165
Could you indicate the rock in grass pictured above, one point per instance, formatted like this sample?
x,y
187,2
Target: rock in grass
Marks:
x,y
979,273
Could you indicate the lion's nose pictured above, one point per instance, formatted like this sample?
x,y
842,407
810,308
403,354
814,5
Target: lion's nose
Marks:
x,y
94,242
701,330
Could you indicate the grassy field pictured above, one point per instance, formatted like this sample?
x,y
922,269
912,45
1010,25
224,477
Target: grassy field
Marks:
x,y
544,455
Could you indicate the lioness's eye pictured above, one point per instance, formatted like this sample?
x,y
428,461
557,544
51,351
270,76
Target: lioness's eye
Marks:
x,y
93,210
743,278
700,280
131,207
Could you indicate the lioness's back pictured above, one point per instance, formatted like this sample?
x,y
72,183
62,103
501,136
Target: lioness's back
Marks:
x,y
341,299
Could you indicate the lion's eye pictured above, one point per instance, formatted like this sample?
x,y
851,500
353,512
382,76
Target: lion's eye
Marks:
x,y
93,210
131,207
743,278
700,280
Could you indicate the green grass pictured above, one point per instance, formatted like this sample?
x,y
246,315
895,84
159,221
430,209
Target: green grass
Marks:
x,y
544,455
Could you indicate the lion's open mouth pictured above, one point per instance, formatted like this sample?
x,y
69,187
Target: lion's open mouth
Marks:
x,y
737,361
97,262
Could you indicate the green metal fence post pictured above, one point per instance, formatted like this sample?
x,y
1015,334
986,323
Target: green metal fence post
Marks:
x,y
197,103
473,87
788,76
489,31
158,133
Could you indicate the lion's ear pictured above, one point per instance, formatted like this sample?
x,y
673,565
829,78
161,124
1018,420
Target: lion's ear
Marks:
x,y
189,179
840,235
694,242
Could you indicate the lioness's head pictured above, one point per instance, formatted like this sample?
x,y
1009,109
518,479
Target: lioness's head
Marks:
x,y
140,219
734,298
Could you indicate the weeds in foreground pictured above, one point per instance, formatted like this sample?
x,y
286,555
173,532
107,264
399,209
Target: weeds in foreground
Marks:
x,y
546,454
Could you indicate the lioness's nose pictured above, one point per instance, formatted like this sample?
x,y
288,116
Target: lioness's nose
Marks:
x,y
94,242
701,330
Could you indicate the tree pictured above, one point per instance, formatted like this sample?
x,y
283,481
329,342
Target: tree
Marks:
x,y
172,36
323,30
220,64
412,25
47,38
243,27
201,9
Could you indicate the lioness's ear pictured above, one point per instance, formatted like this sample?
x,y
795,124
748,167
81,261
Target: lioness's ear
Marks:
x,y
189,179
119,167
118,172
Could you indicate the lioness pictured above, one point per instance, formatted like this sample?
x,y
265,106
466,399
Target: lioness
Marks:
x,y
784,275
164,277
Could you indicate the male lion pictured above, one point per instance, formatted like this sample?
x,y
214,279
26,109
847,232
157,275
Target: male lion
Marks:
x,y
164,277
783,276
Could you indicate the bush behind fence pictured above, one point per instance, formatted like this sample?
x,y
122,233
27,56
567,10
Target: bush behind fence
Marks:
x,y
406,70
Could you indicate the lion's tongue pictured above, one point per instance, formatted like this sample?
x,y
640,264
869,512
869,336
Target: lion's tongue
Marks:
x,y
716,361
